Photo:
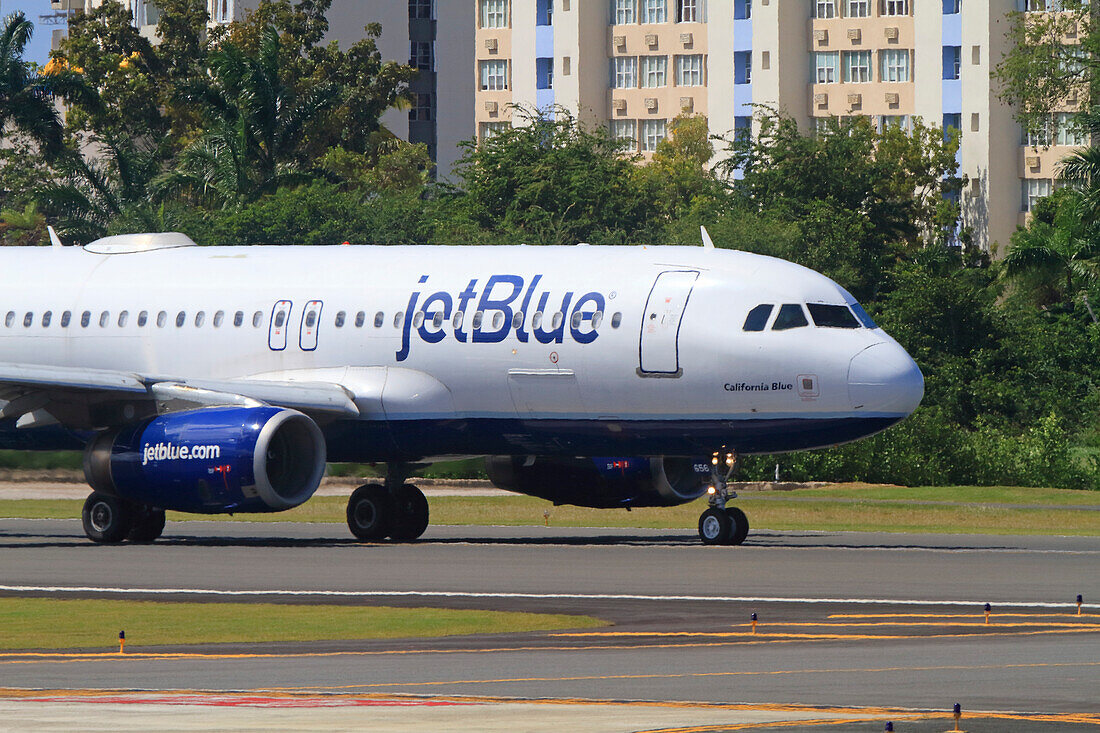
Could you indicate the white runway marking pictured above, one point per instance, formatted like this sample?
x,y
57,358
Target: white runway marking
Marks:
x,y
526,596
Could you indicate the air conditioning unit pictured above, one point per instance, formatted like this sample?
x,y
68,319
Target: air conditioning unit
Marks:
x,y
619,105
491,45
686,39
1032,162
618,41
687,104
651,39
854,34
821,35
821,99
855,100
892,98
651,104
891,33
491,107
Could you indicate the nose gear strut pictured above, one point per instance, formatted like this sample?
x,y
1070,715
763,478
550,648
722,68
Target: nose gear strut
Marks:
x,y
722,525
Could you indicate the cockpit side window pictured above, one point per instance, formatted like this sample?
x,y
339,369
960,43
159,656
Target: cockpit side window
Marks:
x,y
862,315
758,317
790,316
832,316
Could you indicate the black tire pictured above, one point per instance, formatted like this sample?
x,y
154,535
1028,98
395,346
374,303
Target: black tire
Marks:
x,y
369,513
107,519
148,525
715,527
410,517
740,525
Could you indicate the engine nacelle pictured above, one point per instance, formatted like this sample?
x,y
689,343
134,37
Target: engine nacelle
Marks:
x,y
602,482
212,460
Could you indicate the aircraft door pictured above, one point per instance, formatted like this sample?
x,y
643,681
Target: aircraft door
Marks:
x,y
311,321
280,316
659,346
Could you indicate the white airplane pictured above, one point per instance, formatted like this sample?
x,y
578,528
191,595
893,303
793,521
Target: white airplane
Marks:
x,y
220,379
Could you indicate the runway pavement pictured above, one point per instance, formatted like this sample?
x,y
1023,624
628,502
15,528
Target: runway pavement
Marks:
x,y
860,627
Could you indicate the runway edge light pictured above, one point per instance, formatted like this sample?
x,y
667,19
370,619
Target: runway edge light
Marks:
x,y
1080,600
889,727
958,713
753,622
122,642
988,608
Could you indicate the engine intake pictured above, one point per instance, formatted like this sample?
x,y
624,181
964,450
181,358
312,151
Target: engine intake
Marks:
x,y
602,482
210,461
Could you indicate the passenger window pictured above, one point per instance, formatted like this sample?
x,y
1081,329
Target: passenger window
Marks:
x,y
28,320
558,318
181,318
219,317
575,321
597,319
340,319
257,319
162,318
104,319
832,316
143,318
616,320
280,318
85,319
498,320
9,320
456,322
200,318
790,316
418,319
479,316
46,317
758,318
536,320
311,319
437,319
360,319
122,318
863,316
379,319
517,320
397,317
238,319
65,318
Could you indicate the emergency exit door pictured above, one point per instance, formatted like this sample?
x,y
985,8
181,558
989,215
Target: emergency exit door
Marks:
x,y
659,347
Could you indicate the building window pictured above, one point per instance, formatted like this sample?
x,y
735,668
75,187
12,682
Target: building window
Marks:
x,y
857,67
490,130
624,72
952,122
654,71
1035,189
1040,136
494,13
689,71
653,11
826,64
857,8
950,7
886,122
544,73
687,11
494,75
1037,6
742,9
421,55
825,9
420,9
952,61
742,67
625,132
895,65
895,7
223,11
1069,132
625,11
544,12
653,132
422,111
742,127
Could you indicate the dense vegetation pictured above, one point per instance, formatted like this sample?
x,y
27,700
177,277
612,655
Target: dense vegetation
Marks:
x,y
257,133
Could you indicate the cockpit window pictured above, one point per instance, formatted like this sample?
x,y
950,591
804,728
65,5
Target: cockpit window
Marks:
x,y
832,316
790,316
758,318
863,316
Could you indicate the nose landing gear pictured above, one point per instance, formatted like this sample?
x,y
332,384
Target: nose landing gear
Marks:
x,y
722,525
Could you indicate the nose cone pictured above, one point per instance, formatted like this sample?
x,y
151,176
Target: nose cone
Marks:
x,y
884,379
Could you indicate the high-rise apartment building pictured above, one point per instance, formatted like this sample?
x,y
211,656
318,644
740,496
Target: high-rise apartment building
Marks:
x,y
410,33
634,65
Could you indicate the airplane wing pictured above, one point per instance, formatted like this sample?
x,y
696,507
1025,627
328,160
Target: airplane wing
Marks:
x,y
85,398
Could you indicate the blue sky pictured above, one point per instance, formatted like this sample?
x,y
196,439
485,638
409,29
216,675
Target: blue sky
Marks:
x,y
39,48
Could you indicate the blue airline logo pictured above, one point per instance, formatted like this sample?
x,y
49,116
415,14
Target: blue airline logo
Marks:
x,y
432,318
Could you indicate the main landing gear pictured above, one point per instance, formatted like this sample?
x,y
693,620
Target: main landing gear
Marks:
x,y
396,510
109,520
722,525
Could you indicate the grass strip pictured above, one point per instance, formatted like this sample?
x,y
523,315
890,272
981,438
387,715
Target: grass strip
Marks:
x,y
772,510
47,623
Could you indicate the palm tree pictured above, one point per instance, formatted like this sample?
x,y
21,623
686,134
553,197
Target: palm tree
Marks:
x,y
1082,168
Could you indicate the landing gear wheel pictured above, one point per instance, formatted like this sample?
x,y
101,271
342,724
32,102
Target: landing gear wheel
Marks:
x,y
739,523
369,513
148,525
410,517
715,527
107,519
